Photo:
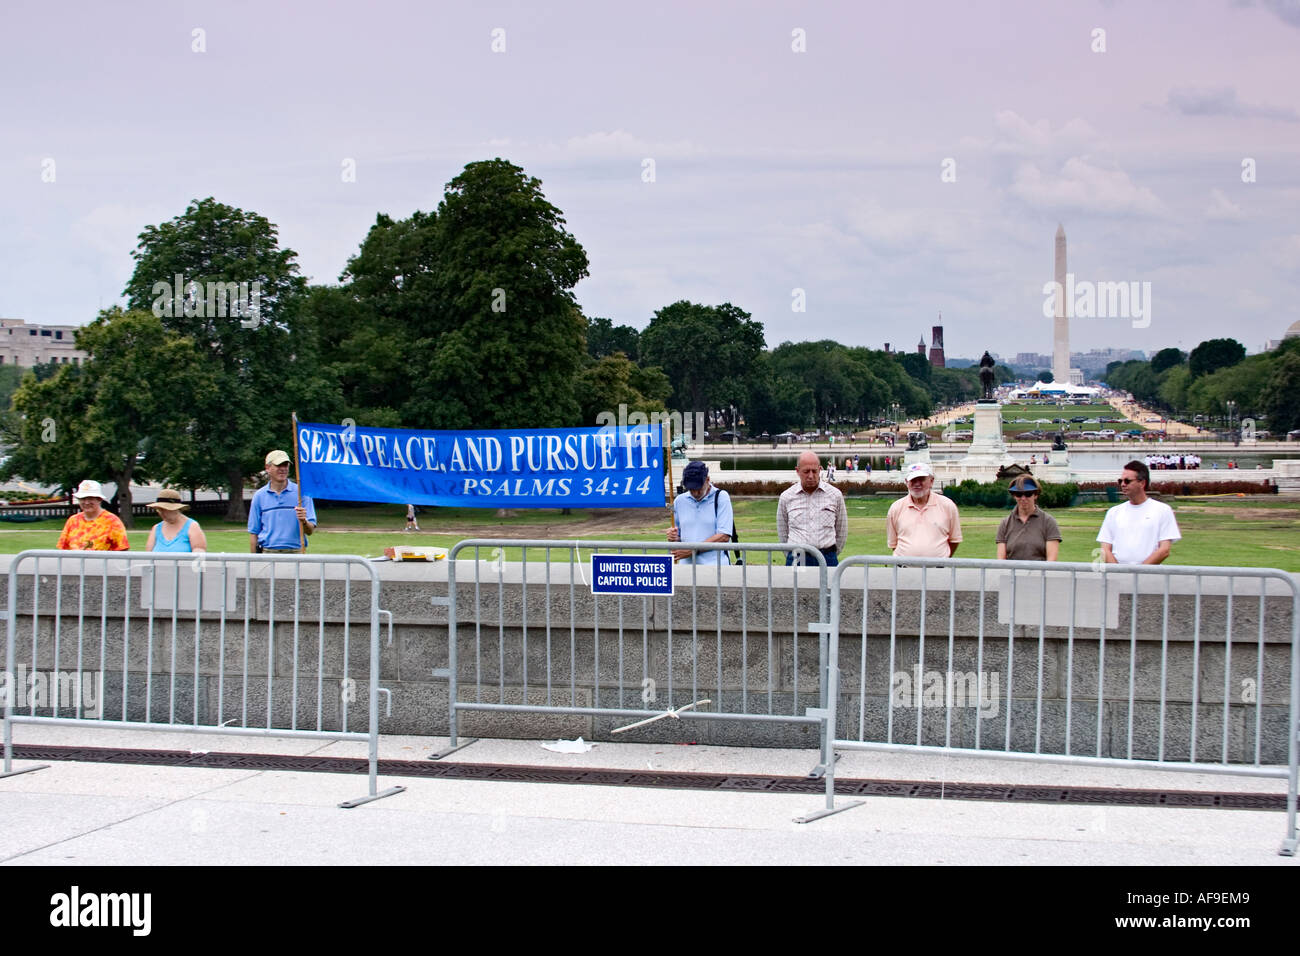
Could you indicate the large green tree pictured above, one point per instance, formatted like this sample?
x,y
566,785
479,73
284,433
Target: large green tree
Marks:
x,y
1280,398
263,357
469,310
707,351
1212,355
1166,358
506,341
135,391
606,338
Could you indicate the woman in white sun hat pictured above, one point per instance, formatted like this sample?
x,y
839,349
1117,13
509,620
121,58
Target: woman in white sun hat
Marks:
x,y
175,532
92,528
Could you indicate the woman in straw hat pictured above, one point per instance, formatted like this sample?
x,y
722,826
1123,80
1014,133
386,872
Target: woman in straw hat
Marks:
x,y
175,532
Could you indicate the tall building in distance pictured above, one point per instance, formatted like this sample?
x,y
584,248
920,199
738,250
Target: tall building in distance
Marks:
x,y
1061,370
920,347
1061,315
936,345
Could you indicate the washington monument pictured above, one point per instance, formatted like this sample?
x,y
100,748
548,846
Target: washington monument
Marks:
x,y
1061,319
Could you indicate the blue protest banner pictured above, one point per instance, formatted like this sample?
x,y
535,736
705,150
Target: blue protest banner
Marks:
x,y
515,468
639,574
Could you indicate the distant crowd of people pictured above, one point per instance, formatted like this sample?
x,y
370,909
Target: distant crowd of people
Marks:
x,y
1165,462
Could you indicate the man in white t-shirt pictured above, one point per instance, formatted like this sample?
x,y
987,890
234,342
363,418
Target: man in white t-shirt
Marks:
x,y
1141,531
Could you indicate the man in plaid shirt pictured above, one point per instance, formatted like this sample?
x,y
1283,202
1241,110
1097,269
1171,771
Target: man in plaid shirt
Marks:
x,y
812,512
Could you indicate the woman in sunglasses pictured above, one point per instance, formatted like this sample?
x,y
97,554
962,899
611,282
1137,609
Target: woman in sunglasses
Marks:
x,y
1028,534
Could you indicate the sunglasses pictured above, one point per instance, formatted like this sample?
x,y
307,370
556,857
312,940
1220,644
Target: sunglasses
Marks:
x,y
1126,481
1023,494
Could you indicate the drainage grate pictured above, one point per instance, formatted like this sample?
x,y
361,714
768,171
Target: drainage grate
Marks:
x,y
1097,796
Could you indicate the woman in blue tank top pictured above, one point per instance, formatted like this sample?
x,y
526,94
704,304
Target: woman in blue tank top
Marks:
x,y
175,532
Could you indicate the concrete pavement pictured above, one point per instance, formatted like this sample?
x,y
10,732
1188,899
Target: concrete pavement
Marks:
x,y
114,814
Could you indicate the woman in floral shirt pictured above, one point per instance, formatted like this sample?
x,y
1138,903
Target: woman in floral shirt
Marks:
x,y
94,529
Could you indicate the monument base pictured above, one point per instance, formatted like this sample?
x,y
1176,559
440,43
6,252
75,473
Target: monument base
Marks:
x,y
987,449
913,456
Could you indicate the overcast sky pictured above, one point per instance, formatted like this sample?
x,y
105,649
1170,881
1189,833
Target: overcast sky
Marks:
x,y
774,169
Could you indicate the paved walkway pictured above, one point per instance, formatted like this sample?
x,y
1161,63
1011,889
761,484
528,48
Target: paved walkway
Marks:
x,y
113,814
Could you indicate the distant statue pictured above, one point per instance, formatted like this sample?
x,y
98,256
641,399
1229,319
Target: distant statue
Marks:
x,y
986,376
1058,443
916,441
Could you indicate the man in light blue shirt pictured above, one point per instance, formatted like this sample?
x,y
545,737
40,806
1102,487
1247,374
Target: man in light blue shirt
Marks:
x,y
275,516
701,515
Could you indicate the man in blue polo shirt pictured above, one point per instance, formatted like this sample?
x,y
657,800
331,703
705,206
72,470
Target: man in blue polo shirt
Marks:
x,y
704,515
275,514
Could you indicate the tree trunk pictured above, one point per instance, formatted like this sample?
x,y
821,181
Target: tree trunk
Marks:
x,y
235,507
123,481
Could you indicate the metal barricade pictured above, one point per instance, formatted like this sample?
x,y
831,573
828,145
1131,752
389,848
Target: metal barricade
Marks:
x,y
1177,668
526,633
270,645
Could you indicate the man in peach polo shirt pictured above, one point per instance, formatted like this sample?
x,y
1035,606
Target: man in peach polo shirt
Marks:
x,y
924,524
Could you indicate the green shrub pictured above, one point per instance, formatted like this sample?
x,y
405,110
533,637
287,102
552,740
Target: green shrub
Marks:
x,y
994,494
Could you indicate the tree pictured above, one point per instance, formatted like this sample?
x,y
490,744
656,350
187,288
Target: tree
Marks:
x,y
262,356
1164,359
499,342
707,352
1173,386
92,420
606,338
1214,354
1046,377
1280,398
917,366
364,351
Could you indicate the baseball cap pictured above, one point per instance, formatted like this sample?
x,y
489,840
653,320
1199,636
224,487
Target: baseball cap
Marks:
x,y
1024,483
919,470
276,457
694,475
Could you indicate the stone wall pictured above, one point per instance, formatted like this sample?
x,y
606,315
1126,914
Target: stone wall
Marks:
x,y
751,624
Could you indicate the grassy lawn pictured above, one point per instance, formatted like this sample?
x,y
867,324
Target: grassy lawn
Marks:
x,y
1032,412
1217,531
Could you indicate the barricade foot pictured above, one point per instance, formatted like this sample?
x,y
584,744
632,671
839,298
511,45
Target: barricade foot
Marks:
x,y
370,798
820,770
1288,847
826,812
451,750
14,773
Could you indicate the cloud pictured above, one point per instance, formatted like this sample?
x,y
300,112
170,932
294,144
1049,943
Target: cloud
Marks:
x,y
114,229
619,144
1082,185
1288,11
1222,101
898,230
1285,252
1250,301
1015,134
1222,208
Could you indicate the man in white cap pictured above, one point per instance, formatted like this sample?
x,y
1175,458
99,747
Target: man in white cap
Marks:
x,y
925,524
93,528
276,515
